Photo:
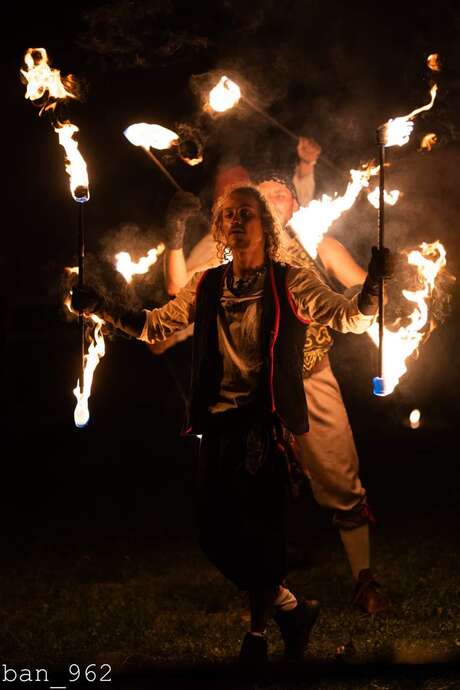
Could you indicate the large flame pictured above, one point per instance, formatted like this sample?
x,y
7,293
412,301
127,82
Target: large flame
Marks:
x,y
389,198
399,345
95,351
75,164
42,79
154,136
397,132
224,95
127,267
310,223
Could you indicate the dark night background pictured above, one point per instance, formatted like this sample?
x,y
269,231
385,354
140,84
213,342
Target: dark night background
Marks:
x,y
334,71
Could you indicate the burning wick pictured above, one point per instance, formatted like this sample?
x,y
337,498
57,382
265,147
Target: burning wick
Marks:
x,y
157,137
396,132
224,95
433,62
414,419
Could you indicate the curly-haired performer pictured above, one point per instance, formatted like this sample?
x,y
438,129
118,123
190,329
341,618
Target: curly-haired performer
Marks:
x,y
250,318
328,452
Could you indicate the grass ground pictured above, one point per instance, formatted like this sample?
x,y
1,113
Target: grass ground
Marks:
x,y
145,601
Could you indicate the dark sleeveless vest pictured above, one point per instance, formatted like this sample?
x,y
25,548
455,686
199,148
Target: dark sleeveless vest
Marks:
x,y
280,390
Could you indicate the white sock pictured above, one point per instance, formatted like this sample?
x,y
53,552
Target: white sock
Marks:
x,y
285,601
356,543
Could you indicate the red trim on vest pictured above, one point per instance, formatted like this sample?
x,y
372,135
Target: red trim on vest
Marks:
x,y
198,285
292,304
274,334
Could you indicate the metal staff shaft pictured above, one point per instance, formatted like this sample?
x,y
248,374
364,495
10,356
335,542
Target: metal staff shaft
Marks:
x,y
381,244
163,169
289,132
81,320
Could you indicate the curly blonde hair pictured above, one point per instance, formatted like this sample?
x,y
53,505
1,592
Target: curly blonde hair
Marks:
x,y
270,223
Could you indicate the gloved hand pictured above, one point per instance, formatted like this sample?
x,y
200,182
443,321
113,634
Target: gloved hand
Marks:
x,y
86,299
182,206
381,265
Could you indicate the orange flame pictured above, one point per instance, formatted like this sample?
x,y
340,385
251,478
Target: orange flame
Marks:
x,y
414,419
154,136
399,345
434,63
397,132
428,141
127,267
96,351
41,78
311,222
390,198
224,95
75,164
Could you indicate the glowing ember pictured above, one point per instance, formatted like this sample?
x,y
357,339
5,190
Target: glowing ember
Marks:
x,y
224,95
192,161
75,164
414,419
42,79
155,136
433,62
399,345
95,351
390,198
397,132
311,222
428,141
127,267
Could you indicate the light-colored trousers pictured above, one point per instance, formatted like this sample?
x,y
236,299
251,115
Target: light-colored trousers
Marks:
x,y
327,452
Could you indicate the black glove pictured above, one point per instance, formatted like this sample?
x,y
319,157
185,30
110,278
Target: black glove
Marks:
x,y
87,299
182,206
381,265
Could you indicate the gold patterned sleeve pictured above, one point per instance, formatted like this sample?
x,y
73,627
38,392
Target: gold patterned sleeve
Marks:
x,y
173,316
315,301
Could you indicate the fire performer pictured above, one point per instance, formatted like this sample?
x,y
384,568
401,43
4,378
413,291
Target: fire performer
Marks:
x,y
327,454
250,319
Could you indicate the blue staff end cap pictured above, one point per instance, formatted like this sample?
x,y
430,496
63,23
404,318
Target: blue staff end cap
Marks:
x,y
378,386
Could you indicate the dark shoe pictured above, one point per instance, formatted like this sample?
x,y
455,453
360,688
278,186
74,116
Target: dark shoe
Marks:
x,y
254,654
368,596
295,627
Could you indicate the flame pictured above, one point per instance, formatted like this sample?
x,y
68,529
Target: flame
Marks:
x,y
192,161
414,419
428,141
390,198
311,222
399,345
96,351
434,63
71,270
41,78
224,95
155,136
127,267
397,132
75,165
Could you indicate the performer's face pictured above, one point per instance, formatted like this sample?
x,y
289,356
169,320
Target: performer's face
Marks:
x,y
279,196
242,222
